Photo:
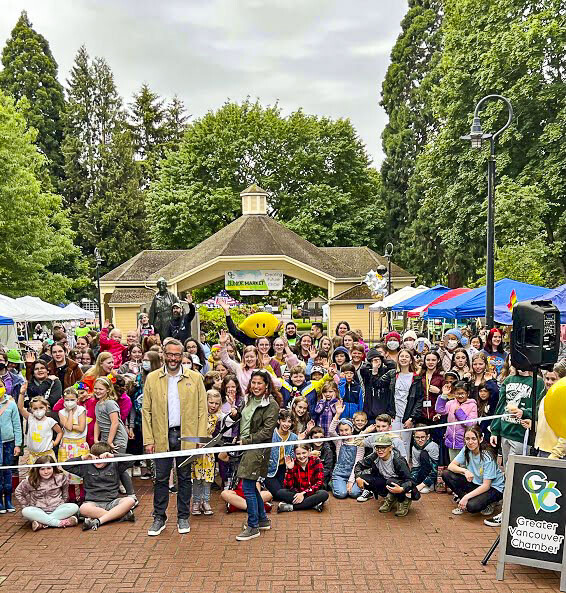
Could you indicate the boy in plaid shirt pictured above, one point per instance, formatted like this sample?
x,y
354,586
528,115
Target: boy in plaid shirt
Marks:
x,y
304,482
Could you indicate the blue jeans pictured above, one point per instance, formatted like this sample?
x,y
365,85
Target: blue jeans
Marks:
x,y
256,509
339,488
6,474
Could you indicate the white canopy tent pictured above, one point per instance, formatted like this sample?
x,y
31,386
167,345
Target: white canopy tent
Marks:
x,y
37,310
78,312
397,297
10,309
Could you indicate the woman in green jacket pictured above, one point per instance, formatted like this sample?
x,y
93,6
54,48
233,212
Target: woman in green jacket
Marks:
x,y
258,419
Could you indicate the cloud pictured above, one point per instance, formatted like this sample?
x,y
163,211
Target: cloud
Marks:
x,y
327,56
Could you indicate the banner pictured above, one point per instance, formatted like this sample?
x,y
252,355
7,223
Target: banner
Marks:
x,y
253,280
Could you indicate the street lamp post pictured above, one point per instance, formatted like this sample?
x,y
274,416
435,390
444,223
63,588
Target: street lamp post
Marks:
x,y
477,137
98,259
388,253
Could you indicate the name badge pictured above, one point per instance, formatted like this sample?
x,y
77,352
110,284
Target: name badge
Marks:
x,y
427,403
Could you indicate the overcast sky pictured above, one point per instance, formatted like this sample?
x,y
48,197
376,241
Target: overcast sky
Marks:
x,y
327,56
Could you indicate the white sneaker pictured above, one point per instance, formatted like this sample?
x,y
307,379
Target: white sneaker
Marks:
x,y
365,496
136,471
494,521
425,490
458,511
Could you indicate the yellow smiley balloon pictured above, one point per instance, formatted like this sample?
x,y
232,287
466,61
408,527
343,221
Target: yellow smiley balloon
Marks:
x,y
259,325
555,407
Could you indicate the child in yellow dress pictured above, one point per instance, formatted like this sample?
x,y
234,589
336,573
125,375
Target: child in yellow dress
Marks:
x,y
204,466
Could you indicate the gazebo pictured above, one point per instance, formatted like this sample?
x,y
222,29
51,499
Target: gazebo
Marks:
x,y
254,241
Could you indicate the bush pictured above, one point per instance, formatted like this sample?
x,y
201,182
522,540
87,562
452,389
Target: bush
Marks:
x,y
304,327
296,314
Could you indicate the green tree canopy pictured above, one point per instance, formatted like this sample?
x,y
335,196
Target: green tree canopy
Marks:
x,y
315,169
30,71
37,256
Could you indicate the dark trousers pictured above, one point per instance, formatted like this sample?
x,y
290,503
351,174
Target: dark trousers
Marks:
x,y
275,483
161,489
421,473
377,484
309,502
460,486
6,458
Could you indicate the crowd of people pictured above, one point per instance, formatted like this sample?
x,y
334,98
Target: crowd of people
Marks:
x,y
96,395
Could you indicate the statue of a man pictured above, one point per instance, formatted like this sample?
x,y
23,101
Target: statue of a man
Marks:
x,y
160,310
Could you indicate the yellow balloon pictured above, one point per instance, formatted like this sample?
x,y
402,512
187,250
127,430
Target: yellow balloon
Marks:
x,y
259,325
555,408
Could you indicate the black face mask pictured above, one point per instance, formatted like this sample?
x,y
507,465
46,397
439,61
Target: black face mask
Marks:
x,y
2,366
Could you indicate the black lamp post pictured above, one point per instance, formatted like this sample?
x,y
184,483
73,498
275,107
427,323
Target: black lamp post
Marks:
x,y
98,259
476,137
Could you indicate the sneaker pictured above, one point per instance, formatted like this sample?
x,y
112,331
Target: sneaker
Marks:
x,y
136,471
319,507
146,476
128,517
489,510
458,511
455,498
183,526
365,496
157,526
10,508
70,522
36,525
136,501
388,504
403,508
92,524
248,533
494,521
264,525
284,507
206,509
426,490
196,509
173,489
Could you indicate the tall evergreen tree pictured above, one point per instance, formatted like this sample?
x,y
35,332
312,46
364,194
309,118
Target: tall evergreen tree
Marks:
x,y
102,178
30,71
404,98
176,119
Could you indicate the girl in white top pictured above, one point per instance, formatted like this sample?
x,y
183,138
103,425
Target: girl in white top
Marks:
x,y
73,421
39,433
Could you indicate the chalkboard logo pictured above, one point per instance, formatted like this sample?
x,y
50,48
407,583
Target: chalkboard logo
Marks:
x,y
543,493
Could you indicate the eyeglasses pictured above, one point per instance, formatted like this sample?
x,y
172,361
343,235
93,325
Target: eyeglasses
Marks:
x,y
175,356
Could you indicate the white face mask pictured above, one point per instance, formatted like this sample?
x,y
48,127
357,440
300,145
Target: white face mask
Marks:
x,y
39,414
392,345
70,404
451,344
146,365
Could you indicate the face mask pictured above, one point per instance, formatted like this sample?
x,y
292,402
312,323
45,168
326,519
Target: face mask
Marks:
x,y
464,341
451,344
39,414
409,344
392,344
146,365
70,404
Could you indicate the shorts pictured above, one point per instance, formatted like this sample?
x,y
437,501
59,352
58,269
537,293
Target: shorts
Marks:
x,y
106,505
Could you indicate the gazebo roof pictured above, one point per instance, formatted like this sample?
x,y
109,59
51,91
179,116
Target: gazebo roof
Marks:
x,y
250,235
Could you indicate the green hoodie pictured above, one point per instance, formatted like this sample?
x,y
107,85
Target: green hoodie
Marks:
x,y
515,389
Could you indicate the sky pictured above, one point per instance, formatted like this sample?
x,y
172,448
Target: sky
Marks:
x,y
328,57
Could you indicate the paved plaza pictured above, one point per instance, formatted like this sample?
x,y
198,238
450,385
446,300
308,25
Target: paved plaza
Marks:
x,y
349,548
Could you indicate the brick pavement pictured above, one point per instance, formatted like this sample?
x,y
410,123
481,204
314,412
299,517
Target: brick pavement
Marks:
x,y
349,548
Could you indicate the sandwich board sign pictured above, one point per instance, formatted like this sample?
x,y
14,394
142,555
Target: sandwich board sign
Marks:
x,y
533,525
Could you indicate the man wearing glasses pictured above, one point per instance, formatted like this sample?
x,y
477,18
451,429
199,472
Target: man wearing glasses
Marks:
x,y
174,406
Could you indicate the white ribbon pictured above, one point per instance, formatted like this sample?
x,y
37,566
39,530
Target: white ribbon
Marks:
x,y
225,449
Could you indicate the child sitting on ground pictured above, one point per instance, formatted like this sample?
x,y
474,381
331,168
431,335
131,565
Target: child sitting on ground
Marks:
x,y
43,496
304,482
386,473
276,468
324,452
424,455
102,484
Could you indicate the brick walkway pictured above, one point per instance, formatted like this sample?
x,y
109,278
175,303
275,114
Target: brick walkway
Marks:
x,y
349,548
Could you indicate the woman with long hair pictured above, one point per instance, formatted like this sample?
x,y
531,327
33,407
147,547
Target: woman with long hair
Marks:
x,y
493,349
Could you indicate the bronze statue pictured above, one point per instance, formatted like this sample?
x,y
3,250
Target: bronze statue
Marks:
x,y
160,310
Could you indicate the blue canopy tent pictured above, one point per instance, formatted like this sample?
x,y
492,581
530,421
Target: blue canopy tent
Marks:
x,y
423,298
557,296
472,304
6,321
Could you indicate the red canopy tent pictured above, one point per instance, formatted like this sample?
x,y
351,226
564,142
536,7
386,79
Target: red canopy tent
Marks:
x,y
444,297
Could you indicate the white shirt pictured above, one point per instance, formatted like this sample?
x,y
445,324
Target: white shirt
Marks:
x,y
173,400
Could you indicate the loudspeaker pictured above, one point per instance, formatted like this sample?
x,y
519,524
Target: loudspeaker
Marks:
x,y
535,339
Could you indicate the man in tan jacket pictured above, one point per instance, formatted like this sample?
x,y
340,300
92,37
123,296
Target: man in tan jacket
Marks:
x,y
174,406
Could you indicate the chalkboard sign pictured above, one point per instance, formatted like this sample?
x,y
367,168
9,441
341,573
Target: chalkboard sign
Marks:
x,y
533,526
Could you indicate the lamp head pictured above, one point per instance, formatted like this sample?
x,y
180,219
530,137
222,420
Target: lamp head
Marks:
x,y
476,133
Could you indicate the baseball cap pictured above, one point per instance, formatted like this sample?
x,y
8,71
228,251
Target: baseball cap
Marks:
x,y
382,439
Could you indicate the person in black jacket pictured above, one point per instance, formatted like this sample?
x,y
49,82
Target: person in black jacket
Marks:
x,y
180,325
387,474
238,333
377,400
405,392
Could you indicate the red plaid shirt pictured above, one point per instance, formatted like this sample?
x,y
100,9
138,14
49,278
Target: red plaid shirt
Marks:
x,y
307,480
